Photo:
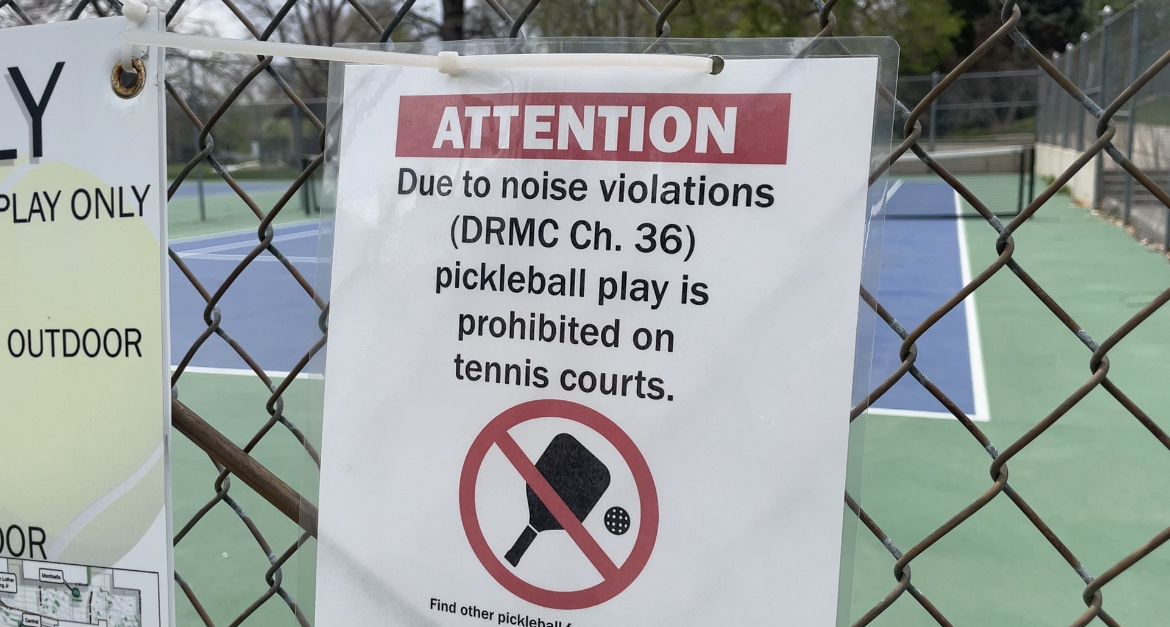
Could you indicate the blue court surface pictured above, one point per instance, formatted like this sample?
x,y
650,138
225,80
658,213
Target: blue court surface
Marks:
x,y
924,262
218,187
266,309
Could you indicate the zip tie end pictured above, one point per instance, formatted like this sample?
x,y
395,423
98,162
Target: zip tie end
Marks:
x,y
449,62
135,11
128,58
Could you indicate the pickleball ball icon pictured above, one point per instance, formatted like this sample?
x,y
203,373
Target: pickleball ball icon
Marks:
x,y
576,475
617,520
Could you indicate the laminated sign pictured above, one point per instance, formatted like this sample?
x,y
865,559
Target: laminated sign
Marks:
x,y
84,392
591,345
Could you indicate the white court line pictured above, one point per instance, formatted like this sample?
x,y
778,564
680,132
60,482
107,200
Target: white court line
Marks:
x,y
913,413
974,345
893,189
246,244
236,233
269,258
244,372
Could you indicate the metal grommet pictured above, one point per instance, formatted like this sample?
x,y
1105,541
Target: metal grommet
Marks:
x,y
717,64
139,79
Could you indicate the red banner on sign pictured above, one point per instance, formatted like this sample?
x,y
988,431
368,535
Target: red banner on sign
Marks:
x,y
681,128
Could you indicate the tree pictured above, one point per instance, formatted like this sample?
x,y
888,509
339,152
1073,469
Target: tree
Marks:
x,y
327,23
21,12
1093,14
923,28
1048,24
591,18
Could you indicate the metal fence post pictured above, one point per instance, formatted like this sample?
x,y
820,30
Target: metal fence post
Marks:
x,y
1081,81
1064,117
1166,230
1103,100
299,153
1041,111
1052,105
933,109
1134,53
259,135
195,108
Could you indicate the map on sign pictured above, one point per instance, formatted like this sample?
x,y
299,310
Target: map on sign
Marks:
x,y
48,594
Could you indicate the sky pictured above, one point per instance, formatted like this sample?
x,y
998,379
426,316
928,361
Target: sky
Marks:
x,y
202,16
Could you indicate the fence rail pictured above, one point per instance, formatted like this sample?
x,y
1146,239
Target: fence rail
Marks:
x,y
1091,107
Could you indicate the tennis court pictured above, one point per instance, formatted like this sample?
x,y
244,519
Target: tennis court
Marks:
x,y
918,473
215,386
265,288
918,470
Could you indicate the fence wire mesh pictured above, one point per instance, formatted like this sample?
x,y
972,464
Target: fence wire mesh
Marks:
x,y
1103,65
1081,92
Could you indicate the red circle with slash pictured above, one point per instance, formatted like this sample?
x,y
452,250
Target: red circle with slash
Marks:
x,y
615,578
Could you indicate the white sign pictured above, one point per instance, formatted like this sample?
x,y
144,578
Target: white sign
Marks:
x,y
591,345
84,394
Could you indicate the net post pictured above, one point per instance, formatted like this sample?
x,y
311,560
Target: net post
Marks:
x,y
1020,186
1031,173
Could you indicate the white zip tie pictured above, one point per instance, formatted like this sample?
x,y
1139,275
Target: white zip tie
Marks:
x,y
135,12
450,63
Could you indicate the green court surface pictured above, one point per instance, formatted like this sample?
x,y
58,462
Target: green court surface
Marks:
x,y
225,211
1097,477
220,558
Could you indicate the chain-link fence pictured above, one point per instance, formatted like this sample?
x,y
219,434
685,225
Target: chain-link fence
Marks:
x,y
987,108
1115,74
1103,64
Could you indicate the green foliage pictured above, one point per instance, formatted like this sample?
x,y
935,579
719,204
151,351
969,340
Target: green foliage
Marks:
x,y
933,34
748,18
925,29
1091,13
1050,24
593,18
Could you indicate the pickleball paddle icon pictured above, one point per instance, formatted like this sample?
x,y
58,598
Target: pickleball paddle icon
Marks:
x,y
576,475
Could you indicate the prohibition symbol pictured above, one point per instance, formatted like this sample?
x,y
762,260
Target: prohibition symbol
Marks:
x,y
553,508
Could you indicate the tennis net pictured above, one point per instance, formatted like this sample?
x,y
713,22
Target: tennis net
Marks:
x,y
1002,177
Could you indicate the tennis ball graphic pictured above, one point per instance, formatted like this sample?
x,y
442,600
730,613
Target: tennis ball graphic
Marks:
x,y
81,448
